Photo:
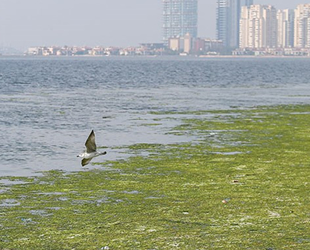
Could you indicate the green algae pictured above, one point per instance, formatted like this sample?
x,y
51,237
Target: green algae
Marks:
x,y
242,184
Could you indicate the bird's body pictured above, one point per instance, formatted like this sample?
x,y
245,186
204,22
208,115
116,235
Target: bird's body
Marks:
x,y
91,150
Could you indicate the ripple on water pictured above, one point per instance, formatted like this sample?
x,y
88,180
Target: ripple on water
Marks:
x,y
45,118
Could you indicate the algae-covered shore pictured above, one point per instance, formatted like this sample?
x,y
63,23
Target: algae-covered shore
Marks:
x,y
243,183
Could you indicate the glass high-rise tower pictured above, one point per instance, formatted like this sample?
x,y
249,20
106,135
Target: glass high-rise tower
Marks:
x,y
246,3
179,18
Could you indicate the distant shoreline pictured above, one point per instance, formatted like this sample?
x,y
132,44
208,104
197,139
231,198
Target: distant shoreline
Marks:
x,y
155,56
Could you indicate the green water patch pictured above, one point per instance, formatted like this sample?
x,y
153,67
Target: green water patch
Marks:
x,y
242,184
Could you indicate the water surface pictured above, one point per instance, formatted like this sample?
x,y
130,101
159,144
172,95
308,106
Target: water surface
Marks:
x,y
49,105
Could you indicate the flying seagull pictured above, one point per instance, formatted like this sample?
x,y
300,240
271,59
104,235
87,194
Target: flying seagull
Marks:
x,y
91,149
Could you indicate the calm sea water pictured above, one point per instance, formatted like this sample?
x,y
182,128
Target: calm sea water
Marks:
x,y
49,105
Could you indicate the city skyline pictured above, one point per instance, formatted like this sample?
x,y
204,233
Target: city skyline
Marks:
x,y
119,23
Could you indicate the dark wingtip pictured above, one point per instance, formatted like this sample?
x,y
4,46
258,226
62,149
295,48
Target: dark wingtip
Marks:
x,y
92,132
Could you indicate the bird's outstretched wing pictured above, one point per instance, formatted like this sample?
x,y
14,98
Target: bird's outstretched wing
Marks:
x,y
85,161
90,143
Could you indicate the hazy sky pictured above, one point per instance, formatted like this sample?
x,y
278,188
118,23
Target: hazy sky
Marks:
x,y
25,23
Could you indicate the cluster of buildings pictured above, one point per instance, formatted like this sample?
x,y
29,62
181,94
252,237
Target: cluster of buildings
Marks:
x,y
263,26
242,28
151,49
262,29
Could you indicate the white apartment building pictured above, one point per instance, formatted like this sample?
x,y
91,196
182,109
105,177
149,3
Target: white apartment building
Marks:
x,y
244,27
250,27
302,26
258,27
285,37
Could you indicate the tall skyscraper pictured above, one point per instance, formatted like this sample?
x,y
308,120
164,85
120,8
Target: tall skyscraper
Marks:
x,y
179,18
247,3
302,26
244,33
228,21
233,25
222,21
270,26
258,27
285,32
